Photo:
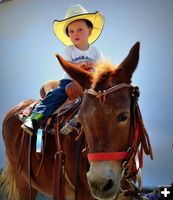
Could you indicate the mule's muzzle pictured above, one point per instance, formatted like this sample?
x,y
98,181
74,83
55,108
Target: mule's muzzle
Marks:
x,y
106,190
104,183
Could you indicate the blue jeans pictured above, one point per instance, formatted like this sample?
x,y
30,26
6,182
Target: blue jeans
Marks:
x,y
53,99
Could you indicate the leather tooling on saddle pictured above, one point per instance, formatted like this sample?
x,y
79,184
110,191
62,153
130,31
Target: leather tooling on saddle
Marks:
x,y
66,112
74,94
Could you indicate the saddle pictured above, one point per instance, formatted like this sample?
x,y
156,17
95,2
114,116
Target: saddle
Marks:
x,y
66,111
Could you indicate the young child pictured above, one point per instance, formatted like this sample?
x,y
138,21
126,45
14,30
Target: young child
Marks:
x,y
77,31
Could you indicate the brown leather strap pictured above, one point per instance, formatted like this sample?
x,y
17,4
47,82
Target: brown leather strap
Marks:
x,y
145,140
101,95
58,173
77,159
22,146
29,166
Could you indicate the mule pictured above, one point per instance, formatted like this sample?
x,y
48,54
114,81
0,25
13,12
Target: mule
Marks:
x,y
111,128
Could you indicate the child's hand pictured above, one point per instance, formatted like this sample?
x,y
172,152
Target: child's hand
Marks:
x,y
86,65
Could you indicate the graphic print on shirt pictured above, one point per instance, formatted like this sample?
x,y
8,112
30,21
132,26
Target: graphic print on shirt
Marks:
x,y
82,58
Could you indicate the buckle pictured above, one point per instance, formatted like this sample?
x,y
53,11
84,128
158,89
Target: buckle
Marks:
x,y
135,92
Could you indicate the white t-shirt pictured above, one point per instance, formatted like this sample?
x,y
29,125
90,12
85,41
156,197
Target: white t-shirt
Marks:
x,y
75,55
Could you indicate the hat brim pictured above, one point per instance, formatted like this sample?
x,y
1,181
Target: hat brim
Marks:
x,y
97,19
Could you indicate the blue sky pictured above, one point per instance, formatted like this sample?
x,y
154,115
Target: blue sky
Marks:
x,y
28,46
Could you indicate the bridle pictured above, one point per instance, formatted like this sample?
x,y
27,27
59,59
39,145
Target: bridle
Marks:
x,y
127,156
101,96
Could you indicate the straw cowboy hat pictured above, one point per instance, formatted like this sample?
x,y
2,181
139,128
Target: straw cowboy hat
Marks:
x,y
77,12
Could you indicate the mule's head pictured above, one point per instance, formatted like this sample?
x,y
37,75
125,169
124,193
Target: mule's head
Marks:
x,y
106,121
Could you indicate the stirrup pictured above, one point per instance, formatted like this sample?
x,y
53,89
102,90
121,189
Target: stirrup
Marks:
x,y
27,129
29,126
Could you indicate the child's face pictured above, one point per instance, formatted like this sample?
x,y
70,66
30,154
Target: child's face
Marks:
x,y
79,33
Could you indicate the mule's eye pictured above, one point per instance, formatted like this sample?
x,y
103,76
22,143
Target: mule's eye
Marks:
x,y
122,118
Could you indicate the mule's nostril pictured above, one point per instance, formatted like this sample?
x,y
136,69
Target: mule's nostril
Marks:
x,y
108,185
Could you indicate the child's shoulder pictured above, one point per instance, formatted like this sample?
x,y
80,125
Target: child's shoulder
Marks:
x,y
69,47
94,48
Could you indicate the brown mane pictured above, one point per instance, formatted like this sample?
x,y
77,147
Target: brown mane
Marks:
x,y
104,69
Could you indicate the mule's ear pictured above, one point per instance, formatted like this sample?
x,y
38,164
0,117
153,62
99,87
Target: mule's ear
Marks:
x,y
129,64
78,74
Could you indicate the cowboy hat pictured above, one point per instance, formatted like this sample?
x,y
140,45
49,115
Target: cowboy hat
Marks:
x,y
77,12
